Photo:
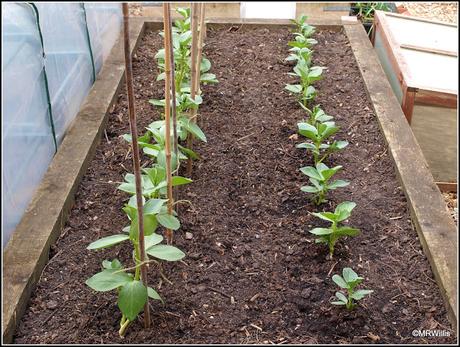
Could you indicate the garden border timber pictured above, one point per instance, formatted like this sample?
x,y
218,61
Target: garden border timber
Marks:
x,y
27,251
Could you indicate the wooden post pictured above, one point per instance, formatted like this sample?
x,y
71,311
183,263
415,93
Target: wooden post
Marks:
x,y
135,150
168,43
194,74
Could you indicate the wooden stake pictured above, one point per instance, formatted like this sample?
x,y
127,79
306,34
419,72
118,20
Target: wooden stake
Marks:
x,y
135,150
201,36
173,94
168,43
194,75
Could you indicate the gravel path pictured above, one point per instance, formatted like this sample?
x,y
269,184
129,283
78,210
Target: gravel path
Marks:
x,y
442,11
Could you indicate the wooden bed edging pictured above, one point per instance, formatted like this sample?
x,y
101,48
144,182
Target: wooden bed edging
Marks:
x,y
435,227
27,251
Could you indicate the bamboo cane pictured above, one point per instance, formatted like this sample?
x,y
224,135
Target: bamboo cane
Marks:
x,y
201,36
173,93
135,150
167,42
194,74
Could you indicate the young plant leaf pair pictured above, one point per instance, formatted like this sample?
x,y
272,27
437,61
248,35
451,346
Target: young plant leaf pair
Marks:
x,y
307,75
320,177
319,129
153,182
331,235
349,281
303,27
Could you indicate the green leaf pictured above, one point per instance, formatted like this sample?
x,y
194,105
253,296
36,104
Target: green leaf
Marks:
x,y
307,145
165,252
349,275
311,172
184,12
329,130
107,280
341,297
161,159
338,303
205,65
161,76
343,210
309,189
307,130
316,183
338,184
133,201
152,240
321,231
195,130
179,180
208,78
150,225
150,151
127,137
293,88
108,241
152,293
132,298
130,211
189,153
111,265
127,187
160,54
361,293
155,102
168,221
328,173
341,144
153,206
347,231
340,281
330,217
315,73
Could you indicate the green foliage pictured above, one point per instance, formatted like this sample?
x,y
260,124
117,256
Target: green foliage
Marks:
x,y
349,281
132,293
366,11
320,176
330,235
319,129
307,75
303,27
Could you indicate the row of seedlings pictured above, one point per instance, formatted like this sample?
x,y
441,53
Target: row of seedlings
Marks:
x,y
151,203
319,129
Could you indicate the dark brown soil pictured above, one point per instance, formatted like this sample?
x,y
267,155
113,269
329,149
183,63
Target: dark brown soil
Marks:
x,y
249,219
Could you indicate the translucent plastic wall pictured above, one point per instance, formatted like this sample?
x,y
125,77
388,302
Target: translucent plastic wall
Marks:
x,y
74,36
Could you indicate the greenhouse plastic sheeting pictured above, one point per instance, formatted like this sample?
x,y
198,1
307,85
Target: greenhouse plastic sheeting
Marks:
x,y
102,18
72,34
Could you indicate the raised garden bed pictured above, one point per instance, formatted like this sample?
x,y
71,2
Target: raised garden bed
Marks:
x,y
249,221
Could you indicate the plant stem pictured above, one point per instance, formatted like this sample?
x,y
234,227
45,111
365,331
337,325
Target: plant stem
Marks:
x,y
123,328
138,268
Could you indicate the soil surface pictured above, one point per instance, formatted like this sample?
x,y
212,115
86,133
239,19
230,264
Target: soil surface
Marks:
x,y
253,273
